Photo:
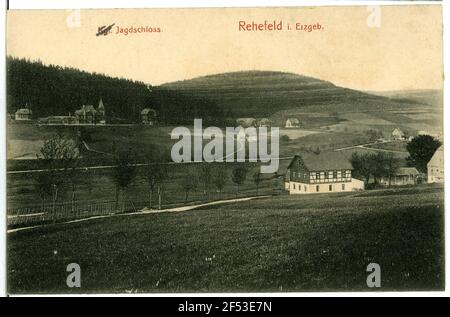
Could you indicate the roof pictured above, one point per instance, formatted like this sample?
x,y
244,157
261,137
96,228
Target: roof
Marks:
x,y
407,171
101,106
324,161
438,157
23,111
86,108
397,131
293,120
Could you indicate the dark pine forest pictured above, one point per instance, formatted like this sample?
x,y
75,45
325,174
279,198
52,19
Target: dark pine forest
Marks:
x,y
54,90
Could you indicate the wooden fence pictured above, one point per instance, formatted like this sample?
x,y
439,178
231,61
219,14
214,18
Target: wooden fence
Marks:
x,y
19,217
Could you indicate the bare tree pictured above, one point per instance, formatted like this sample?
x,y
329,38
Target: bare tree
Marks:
x,y
220,179
257,179
123,174
189,182
238,176
392,166
205,176
162,176
58,156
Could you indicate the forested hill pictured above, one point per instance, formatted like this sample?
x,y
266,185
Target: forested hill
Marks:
x,y
55,90
262,93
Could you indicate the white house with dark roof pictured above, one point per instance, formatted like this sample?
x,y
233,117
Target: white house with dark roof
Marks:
x,y
326,172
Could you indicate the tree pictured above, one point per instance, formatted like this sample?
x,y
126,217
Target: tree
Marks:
x,y
421,149
189,183
378,166
220,179
123,174
238,176
392,165
362,166
162,175
257,180
205,177
151,171
58,156
43,186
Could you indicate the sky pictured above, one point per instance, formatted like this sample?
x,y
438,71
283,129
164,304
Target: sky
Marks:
x,y
364,48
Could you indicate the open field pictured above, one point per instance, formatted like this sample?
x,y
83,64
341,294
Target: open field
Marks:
x,y
285,243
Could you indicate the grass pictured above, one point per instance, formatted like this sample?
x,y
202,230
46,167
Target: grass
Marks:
x,y
285,243
392,146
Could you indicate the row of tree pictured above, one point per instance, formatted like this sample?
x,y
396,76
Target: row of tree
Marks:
x,y
59,160
374,165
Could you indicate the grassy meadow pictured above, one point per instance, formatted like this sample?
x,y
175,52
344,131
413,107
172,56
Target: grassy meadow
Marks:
x,y
285,243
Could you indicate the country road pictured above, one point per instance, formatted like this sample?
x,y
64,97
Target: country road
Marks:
x,y
366,146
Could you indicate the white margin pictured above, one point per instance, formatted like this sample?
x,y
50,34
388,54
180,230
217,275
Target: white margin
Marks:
x,y
85,4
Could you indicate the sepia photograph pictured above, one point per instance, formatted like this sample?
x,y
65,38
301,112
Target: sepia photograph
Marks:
x,y
225,150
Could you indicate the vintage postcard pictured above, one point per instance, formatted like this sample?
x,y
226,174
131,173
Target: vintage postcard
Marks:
x,y
210,150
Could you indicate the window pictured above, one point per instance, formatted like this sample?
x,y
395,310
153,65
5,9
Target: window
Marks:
x,y
343,186
330,188
317,188
294,186
334,174
317,175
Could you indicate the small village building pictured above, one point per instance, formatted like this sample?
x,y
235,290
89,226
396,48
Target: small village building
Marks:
x,y
292,123
23,114
86,114
264,122
326,172
247,122
148,116
403,176
398,134
435,167
89,115
58,120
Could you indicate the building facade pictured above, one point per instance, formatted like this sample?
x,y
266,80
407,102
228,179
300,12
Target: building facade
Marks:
x,y
435,167
326,172
403,176
292,123
23,114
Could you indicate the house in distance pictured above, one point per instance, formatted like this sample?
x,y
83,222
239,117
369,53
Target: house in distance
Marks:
x,y
23,114
292,123
148,116
403,176
326,172
398,134
89,115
